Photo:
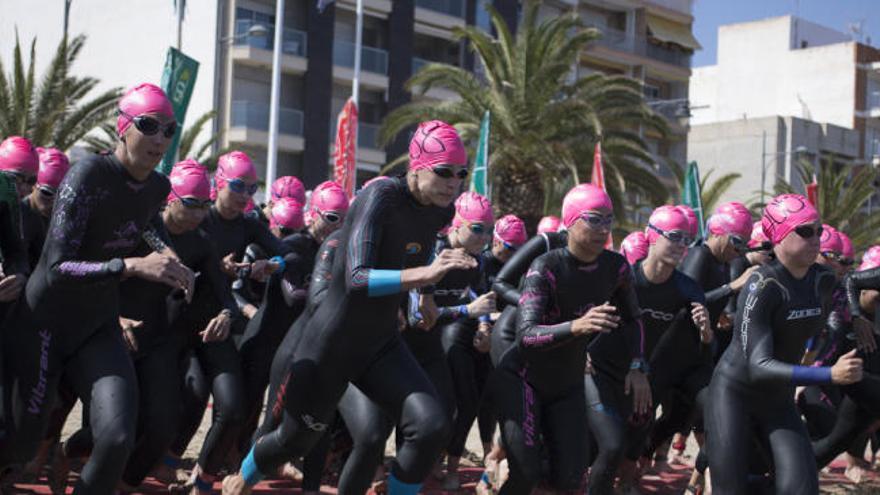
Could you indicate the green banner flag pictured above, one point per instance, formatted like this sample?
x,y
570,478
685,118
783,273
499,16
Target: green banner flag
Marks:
x,y
692,196
480,177
178,81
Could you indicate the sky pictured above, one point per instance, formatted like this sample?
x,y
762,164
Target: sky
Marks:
x,y
835,14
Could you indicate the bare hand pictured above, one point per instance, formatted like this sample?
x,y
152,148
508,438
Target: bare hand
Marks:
x,y
482,305
217,329
428,310
725,323
700,317
160,268
249,311
128,335
588,369
637,384
230,266
847,369
864,331
448,260
10,287
482,341
601,319
261,270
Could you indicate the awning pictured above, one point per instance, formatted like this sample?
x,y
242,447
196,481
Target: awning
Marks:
x,y
670,32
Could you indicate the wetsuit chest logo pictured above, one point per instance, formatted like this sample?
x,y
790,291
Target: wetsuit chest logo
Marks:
x,y
413,248
124,237
658,315
798,314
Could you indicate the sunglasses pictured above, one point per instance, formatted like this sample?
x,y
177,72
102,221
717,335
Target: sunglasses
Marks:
x,y
331,216
508,246
837,258
595,221
809,231
673,236
149,126
239,186
46,191
21,178
449,172
739,244
193,203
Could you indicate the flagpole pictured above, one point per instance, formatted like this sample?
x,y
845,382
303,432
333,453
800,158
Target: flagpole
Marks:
x,y
275,99
358,34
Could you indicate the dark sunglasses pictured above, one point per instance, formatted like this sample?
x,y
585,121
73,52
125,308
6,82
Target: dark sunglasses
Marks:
x,y
331,216
148,126
673,236
829,255
46,191
193,202
809,231
508,246
239,186
739,244
21,178
595,221
448,172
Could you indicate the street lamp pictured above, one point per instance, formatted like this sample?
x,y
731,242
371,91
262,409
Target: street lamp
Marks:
x,y
775,155
256,30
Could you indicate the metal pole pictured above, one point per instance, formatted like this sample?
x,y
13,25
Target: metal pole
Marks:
x,y
358,34
763,162
181,4
275,101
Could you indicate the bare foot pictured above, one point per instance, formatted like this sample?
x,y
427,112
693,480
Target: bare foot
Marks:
x,y
855,473
234,485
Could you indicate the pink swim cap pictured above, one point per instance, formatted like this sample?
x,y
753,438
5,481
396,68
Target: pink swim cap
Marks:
x,y
731,218
785,213
847,250
473,208
286,213
693,221
829,242
288,186
511,229
327,196
234,165
190,179
549,223
17,154
666,218
53,166
141,99
758,238
871,258
583,198
634,247
436,143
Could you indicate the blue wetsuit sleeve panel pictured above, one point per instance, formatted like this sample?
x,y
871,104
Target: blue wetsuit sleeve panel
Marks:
x,y
756,331
533,330
855,282
363,245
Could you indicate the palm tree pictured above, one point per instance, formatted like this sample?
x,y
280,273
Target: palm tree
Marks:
x,y
106,140
843,197
544,122
56,112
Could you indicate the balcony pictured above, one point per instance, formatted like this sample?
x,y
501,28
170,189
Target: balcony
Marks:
x,y
418,63
454,8
615,39
639,45
372,59
255,115
667,55
293,41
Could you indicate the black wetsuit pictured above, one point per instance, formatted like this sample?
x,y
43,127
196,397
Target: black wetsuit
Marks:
x,y
213,369
540,382
860,405
283,301
713,276
507,284
34,227
69,316
754,382
677,359
353,336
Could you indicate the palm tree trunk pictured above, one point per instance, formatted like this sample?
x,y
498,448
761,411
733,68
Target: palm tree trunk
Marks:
x,y
521,193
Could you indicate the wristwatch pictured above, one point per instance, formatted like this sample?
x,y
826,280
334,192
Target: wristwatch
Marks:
x,y
639,365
